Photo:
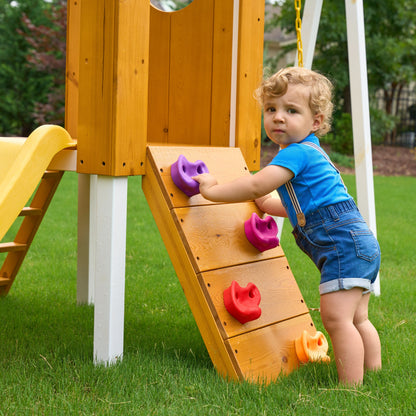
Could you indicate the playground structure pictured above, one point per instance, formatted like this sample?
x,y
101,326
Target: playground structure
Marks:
x,y
143,88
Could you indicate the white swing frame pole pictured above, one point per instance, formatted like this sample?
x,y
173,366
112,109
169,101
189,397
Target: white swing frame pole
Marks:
x,y
361,115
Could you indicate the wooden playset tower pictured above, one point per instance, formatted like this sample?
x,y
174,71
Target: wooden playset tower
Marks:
x,y
138,75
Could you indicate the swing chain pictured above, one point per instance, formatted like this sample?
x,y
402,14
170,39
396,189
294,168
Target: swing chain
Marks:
x,y
298,24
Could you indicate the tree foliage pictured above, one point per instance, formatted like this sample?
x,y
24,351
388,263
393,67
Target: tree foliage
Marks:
x,y
47,55
31,80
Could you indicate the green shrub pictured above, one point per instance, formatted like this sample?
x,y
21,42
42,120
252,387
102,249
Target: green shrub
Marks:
x,y
341,138
381,123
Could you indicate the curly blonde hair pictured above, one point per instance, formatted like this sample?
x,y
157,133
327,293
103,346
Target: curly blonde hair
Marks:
x,y
320,97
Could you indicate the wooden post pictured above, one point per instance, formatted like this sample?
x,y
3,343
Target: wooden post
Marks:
x,y
112,119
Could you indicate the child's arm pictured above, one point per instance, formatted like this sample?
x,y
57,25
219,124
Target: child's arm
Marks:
x,y
272,206
245,188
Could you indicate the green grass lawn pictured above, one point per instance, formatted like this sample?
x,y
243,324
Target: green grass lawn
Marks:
x,y
47,340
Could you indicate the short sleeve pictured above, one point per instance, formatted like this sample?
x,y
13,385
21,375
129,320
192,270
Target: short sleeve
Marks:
x,y
294,157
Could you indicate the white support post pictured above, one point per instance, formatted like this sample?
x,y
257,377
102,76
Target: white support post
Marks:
x,y
87,226
310,25
110,253
361,114
85,277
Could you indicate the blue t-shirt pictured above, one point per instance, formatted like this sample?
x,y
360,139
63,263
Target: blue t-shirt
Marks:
x,y
316,182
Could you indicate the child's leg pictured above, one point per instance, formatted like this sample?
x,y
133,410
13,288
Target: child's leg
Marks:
x,y
338,310
369,335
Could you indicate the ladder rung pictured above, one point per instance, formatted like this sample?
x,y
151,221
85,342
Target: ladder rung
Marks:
x,y
26,211
8,247
4,281
50,174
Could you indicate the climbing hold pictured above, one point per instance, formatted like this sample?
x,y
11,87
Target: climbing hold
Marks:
x,y
182,172
242,302
262,233
312,348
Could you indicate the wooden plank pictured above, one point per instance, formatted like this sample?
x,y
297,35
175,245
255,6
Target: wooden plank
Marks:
x,y
214,342
191,74
280,295
225,163
265,354
215,236
250,59
132,87
72,66
221,73
159,65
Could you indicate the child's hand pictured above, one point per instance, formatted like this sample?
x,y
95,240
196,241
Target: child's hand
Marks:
x,y
206,181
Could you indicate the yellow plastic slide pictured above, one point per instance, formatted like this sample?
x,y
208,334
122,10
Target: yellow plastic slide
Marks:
x,y
22,164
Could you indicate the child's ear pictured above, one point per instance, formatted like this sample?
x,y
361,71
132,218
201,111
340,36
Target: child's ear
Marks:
x,y
318,119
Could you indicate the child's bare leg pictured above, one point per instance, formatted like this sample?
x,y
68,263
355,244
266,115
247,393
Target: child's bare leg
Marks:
x,y
338,310
369,335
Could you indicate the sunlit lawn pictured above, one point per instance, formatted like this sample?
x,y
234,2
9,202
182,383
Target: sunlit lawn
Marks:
x,y
47,340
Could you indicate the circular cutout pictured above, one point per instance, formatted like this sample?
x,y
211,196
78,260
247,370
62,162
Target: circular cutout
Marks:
x,y
170,5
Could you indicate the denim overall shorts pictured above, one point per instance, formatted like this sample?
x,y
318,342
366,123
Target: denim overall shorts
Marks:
x,y
341,245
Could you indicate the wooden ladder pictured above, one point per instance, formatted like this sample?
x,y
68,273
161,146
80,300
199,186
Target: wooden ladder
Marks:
x,y
33,215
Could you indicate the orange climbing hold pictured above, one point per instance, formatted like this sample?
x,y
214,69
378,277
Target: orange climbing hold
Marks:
x,y
312,348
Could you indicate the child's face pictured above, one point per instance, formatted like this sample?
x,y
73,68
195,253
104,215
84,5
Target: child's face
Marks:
x,y
289,119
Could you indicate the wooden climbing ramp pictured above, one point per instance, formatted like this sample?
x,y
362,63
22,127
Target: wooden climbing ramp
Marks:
x,y
209,250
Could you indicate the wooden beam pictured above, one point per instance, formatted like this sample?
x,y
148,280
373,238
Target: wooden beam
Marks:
x,y
113,85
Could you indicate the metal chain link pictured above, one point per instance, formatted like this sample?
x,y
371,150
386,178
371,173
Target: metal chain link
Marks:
x,y
298,24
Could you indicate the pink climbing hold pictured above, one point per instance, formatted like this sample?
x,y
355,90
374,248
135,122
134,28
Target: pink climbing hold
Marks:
x,y
262,233
182,172
242,302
